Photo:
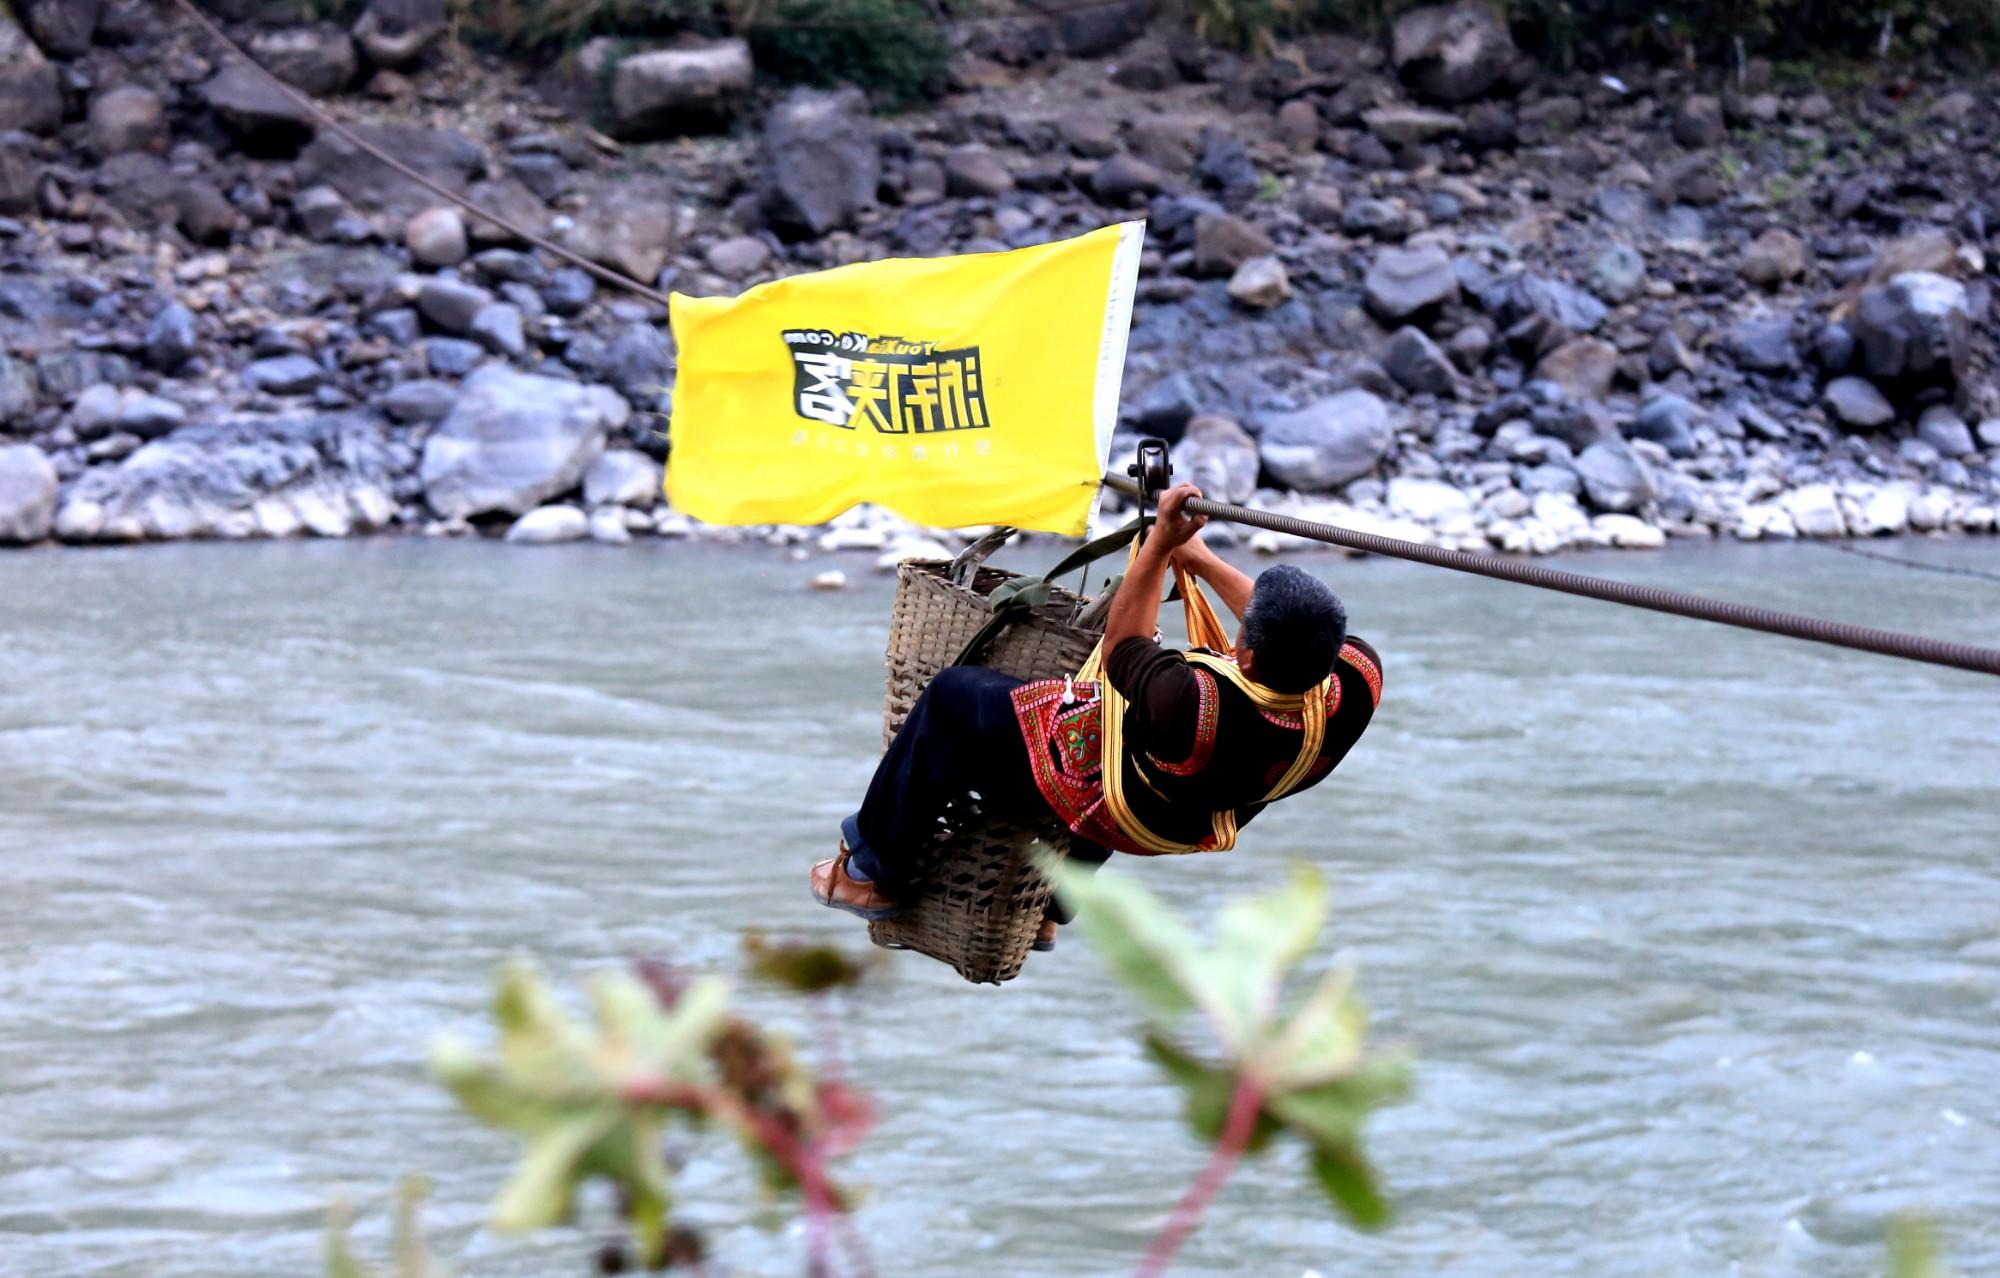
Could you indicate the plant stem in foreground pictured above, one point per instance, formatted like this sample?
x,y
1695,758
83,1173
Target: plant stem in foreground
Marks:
x,y
1222,1160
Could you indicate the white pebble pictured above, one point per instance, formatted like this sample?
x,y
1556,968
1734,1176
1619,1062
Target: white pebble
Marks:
x,y
831,579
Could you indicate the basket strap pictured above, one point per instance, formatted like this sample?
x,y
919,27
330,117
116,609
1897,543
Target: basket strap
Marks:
x,y
1017,599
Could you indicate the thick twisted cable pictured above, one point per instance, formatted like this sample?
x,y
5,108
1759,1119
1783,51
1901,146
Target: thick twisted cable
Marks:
x,y
1839,634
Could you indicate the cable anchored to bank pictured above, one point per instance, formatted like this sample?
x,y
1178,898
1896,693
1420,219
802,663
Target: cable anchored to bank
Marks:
x,y
1839,634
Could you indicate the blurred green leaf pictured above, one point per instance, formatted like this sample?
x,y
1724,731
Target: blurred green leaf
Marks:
x,y
1312,1068
413,1256
801,966
1914,1250
340,1261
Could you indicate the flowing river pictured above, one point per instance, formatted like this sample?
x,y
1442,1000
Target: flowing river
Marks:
x,y
1696,932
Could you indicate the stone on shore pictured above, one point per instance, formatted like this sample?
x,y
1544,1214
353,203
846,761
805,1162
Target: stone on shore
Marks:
x,y
548,525
1417,365
261,117
622,478
436,237
515,440
664,92
1917,327
1327,444
1219,457
1776,257
1453,53
1224,242
1405,284
628,227
1815,511
1260,284
28,492
30,89
1613,476
127,118
1857,404
820,164
318,59
395,33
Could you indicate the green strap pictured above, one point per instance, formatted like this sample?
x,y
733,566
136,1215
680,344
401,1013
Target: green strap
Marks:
x,y
1016,599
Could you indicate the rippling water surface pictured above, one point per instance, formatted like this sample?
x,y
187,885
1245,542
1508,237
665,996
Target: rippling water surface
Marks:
x,y
1697,933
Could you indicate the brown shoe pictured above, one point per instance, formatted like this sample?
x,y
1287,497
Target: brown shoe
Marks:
x,y
1045,940
831,885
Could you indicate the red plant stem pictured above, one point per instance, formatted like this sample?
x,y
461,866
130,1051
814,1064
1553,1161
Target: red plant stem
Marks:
x,y
1236,1128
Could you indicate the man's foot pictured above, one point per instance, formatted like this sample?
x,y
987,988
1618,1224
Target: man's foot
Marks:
x,y
1045,940
832,885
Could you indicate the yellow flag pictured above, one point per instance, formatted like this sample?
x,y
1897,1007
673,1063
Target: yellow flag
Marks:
x,y
979,389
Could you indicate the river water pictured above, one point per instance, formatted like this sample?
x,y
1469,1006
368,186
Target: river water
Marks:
x,y
1697,933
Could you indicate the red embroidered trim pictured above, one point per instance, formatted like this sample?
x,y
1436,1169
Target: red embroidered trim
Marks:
x,y
1297,723
1065,743
1204,730
1353,656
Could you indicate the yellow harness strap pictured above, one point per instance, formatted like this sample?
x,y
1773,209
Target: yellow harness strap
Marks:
x,y
1204,631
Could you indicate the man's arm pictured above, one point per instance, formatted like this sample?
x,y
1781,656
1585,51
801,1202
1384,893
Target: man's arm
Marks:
x,y
1135,610
1229,581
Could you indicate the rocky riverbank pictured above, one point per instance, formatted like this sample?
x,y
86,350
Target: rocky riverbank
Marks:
x,y
1427,289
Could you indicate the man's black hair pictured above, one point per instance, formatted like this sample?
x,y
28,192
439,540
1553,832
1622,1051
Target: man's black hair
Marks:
x,y
1295,625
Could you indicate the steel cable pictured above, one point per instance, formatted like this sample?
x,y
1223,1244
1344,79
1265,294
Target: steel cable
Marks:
x,y
1840,634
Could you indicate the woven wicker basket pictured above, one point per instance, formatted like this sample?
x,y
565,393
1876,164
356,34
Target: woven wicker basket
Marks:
x,y
981,899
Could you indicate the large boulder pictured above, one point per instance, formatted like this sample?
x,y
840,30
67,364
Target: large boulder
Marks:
x,y
1453,53
318,59
1916,328
62,27
249,476
1219,457
30,90
628,227
622,478
666,92
395,33
28,489
1613,476
515,440
1324,445
255,112
1409,284
821,163
446,157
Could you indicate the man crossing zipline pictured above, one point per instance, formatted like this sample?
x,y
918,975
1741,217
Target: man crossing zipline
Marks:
x,y
1166,752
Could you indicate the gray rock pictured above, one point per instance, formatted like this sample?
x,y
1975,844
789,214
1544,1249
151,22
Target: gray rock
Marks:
x,y
1219,457
1091,31
738,256
28,491
21,171
548,176
1380,219
665,92
509,199
1551,477
1122,178
1454,53
1614,479
171,340
1945,431
499,328
1689,180
1513,298
1470,346
452,356
622,478
1668,420
30,89
1223,242
1915,328
149,416
272,476
436,237
318,59
1089,134
1583,367
1698,121
1411,126
514,440
1260,284
420,401
1618,273
284,375
395,33
1323,446
1989,432
253,110
820,162
127,118
1299,127
1321,204
628,227
1833,347
445,157
1775,257
324,215
569,291
549,525
1405,284
1762,344
1855,403
63,28
975,172
452,304
1417,364
205,214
